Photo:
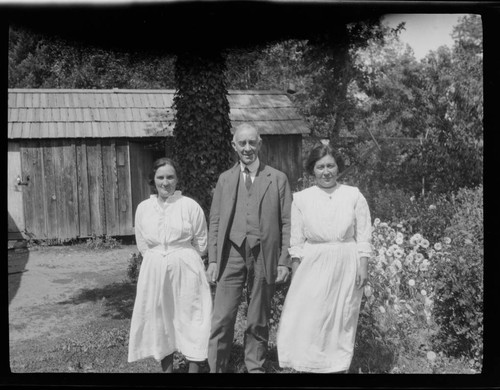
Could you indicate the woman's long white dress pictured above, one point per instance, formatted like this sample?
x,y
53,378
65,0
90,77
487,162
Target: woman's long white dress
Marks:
x,y
173,303
329,233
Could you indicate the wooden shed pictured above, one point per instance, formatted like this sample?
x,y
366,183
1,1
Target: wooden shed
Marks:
x,y
78,160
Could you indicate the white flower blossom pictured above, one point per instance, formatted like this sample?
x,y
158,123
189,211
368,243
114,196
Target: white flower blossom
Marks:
x,y
425,265
424,243
419,257
384,224
398,253
431,356
415,239
382,259
432,207
423,292
398,264
399,241
447,240
389,252
376,222
368,291
411,282
382,309
438,246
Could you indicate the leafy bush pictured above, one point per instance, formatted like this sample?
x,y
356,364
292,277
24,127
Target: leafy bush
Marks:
x,y
102,242
134,266
459,281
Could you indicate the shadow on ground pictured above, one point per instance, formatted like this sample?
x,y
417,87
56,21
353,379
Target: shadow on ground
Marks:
x,y
116,298
17,261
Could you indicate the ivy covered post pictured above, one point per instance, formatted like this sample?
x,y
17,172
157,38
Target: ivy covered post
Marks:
x,y
202,131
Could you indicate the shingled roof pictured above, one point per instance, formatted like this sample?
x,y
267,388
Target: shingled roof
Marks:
x,y
77,113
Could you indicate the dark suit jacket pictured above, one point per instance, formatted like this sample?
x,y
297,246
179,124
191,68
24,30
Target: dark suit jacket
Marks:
x,y
274,217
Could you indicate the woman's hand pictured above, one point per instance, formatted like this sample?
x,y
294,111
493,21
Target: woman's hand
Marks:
x,y
362,273
295,265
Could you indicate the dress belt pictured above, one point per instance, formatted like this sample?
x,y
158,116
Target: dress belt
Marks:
x,y
168,249
336,242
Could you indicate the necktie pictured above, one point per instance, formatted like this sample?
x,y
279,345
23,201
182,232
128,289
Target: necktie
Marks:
x,y
248,179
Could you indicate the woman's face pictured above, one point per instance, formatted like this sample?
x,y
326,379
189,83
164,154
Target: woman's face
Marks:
x,y
326,171
165,181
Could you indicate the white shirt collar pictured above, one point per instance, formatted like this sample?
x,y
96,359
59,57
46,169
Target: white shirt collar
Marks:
x,y
251,167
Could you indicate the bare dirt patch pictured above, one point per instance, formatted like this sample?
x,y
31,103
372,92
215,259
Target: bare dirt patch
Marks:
x,y
54,289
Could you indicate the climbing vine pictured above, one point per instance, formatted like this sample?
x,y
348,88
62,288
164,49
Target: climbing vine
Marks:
x,y
201,136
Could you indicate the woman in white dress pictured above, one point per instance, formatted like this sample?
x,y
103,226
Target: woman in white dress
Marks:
x,y
173,303
330,245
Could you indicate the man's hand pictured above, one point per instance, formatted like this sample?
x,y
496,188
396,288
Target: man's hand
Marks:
x,y
283,273
211,272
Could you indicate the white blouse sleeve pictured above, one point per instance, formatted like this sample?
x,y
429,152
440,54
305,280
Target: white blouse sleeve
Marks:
x,y
139,239
363,226
199,224
297,237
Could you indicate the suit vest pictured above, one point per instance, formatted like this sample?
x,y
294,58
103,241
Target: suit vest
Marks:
x,y
246,215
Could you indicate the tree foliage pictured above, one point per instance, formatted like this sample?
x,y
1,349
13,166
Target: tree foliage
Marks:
x,y
42,61
437,100
202,133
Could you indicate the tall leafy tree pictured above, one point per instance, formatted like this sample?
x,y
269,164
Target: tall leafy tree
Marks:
x,y
329,62
437,100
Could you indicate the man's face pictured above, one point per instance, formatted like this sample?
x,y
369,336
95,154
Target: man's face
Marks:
x,y
247,144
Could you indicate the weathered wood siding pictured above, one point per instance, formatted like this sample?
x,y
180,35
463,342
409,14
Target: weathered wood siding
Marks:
x,y
140,168
79,187
284,152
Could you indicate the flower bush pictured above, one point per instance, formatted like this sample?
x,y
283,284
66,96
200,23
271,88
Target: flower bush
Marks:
x,y
399,297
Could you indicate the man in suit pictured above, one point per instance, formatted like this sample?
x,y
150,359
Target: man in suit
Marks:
x,y
249,236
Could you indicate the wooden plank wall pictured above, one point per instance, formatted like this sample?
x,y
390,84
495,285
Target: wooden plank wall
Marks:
x,y
34,205
125,204
283,152
82,187
77,188
96,187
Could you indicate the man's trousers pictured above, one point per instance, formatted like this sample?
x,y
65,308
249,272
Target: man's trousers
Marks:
x,y
244,266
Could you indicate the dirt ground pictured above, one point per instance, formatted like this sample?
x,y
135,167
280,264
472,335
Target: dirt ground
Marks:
x,y
44,280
